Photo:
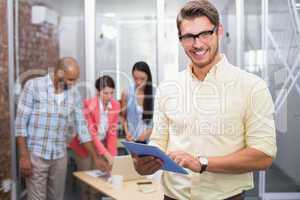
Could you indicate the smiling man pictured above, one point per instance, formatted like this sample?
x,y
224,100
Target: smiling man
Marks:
x,y
213,119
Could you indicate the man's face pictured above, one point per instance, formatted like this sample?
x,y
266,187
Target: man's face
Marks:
x,y
204,49
69,79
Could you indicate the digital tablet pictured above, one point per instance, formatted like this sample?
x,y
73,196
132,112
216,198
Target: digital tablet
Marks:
x,y
149,150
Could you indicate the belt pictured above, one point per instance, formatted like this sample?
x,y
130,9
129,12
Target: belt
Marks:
x,y
235,197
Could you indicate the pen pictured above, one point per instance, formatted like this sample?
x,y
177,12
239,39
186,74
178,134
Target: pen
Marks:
x,y
144,183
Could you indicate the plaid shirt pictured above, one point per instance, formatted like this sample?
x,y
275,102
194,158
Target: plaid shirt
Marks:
x,y
45,121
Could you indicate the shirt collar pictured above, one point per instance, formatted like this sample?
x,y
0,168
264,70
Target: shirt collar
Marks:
x,y
217,72
49,80
50,83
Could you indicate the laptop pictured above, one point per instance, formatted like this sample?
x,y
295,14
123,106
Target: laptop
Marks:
x,y
123,165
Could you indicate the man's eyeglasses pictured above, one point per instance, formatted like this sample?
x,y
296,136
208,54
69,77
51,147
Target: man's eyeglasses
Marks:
x,y
189,39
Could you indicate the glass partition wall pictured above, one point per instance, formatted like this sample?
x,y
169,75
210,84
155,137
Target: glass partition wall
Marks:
x,y
126,32
271,50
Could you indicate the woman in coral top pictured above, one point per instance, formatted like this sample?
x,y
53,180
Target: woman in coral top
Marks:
x,y
101,113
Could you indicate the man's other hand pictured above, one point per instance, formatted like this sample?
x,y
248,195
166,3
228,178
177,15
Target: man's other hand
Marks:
x,y
102,164
185,160
146,165
25,166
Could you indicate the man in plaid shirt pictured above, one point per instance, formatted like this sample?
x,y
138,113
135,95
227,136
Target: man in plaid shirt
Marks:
x,y
47,107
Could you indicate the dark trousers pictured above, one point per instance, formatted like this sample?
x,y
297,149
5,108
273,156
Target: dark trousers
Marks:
x,y
235,197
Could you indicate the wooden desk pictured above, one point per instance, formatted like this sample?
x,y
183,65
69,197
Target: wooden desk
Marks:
x,y
129,189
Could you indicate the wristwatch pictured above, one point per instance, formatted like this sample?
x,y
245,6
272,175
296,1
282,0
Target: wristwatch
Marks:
x,y
204,163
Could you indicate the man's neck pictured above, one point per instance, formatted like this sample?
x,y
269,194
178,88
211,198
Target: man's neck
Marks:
x,y
57,86
201,73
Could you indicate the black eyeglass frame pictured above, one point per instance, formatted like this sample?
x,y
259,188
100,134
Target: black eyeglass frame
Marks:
x,y
202,33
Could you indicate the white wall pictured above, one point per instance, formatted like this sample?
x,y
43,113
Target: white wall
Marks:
x,y
71,40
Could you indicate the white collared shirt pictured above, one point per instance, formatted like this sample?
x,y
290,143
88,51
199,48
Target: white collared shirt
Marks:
x,y
103,122
226,112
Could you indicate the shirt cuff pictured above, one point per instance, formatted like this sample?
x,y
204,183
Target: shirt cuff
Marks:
x,y
84,137
267,148
20,134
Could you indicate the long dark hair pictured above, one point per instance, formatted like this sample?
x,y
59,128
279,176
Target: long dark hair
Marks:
x,y
148,91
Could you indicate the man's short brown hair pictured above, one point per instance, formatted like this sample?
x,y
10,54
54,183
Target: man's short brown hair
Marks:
x,y
198,8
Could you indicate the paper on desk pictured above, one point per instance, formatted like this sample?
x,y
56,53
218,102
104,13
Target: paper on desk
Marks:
x,y
146,189
95,173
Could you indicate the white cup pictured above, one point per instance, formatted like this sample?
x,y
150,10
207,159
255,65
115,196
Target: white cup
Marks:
x,y
117,181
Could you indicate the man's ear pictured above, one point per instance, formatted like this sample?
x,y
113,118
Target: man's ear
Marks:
x,y
220,31
60,73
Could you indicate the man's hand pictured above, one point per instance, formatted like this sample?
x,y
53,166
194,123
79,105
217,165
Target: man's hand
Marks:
x,y
25,166
142,137
186,160
146,165
102,164
109,158
24,160
129,137
100,161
